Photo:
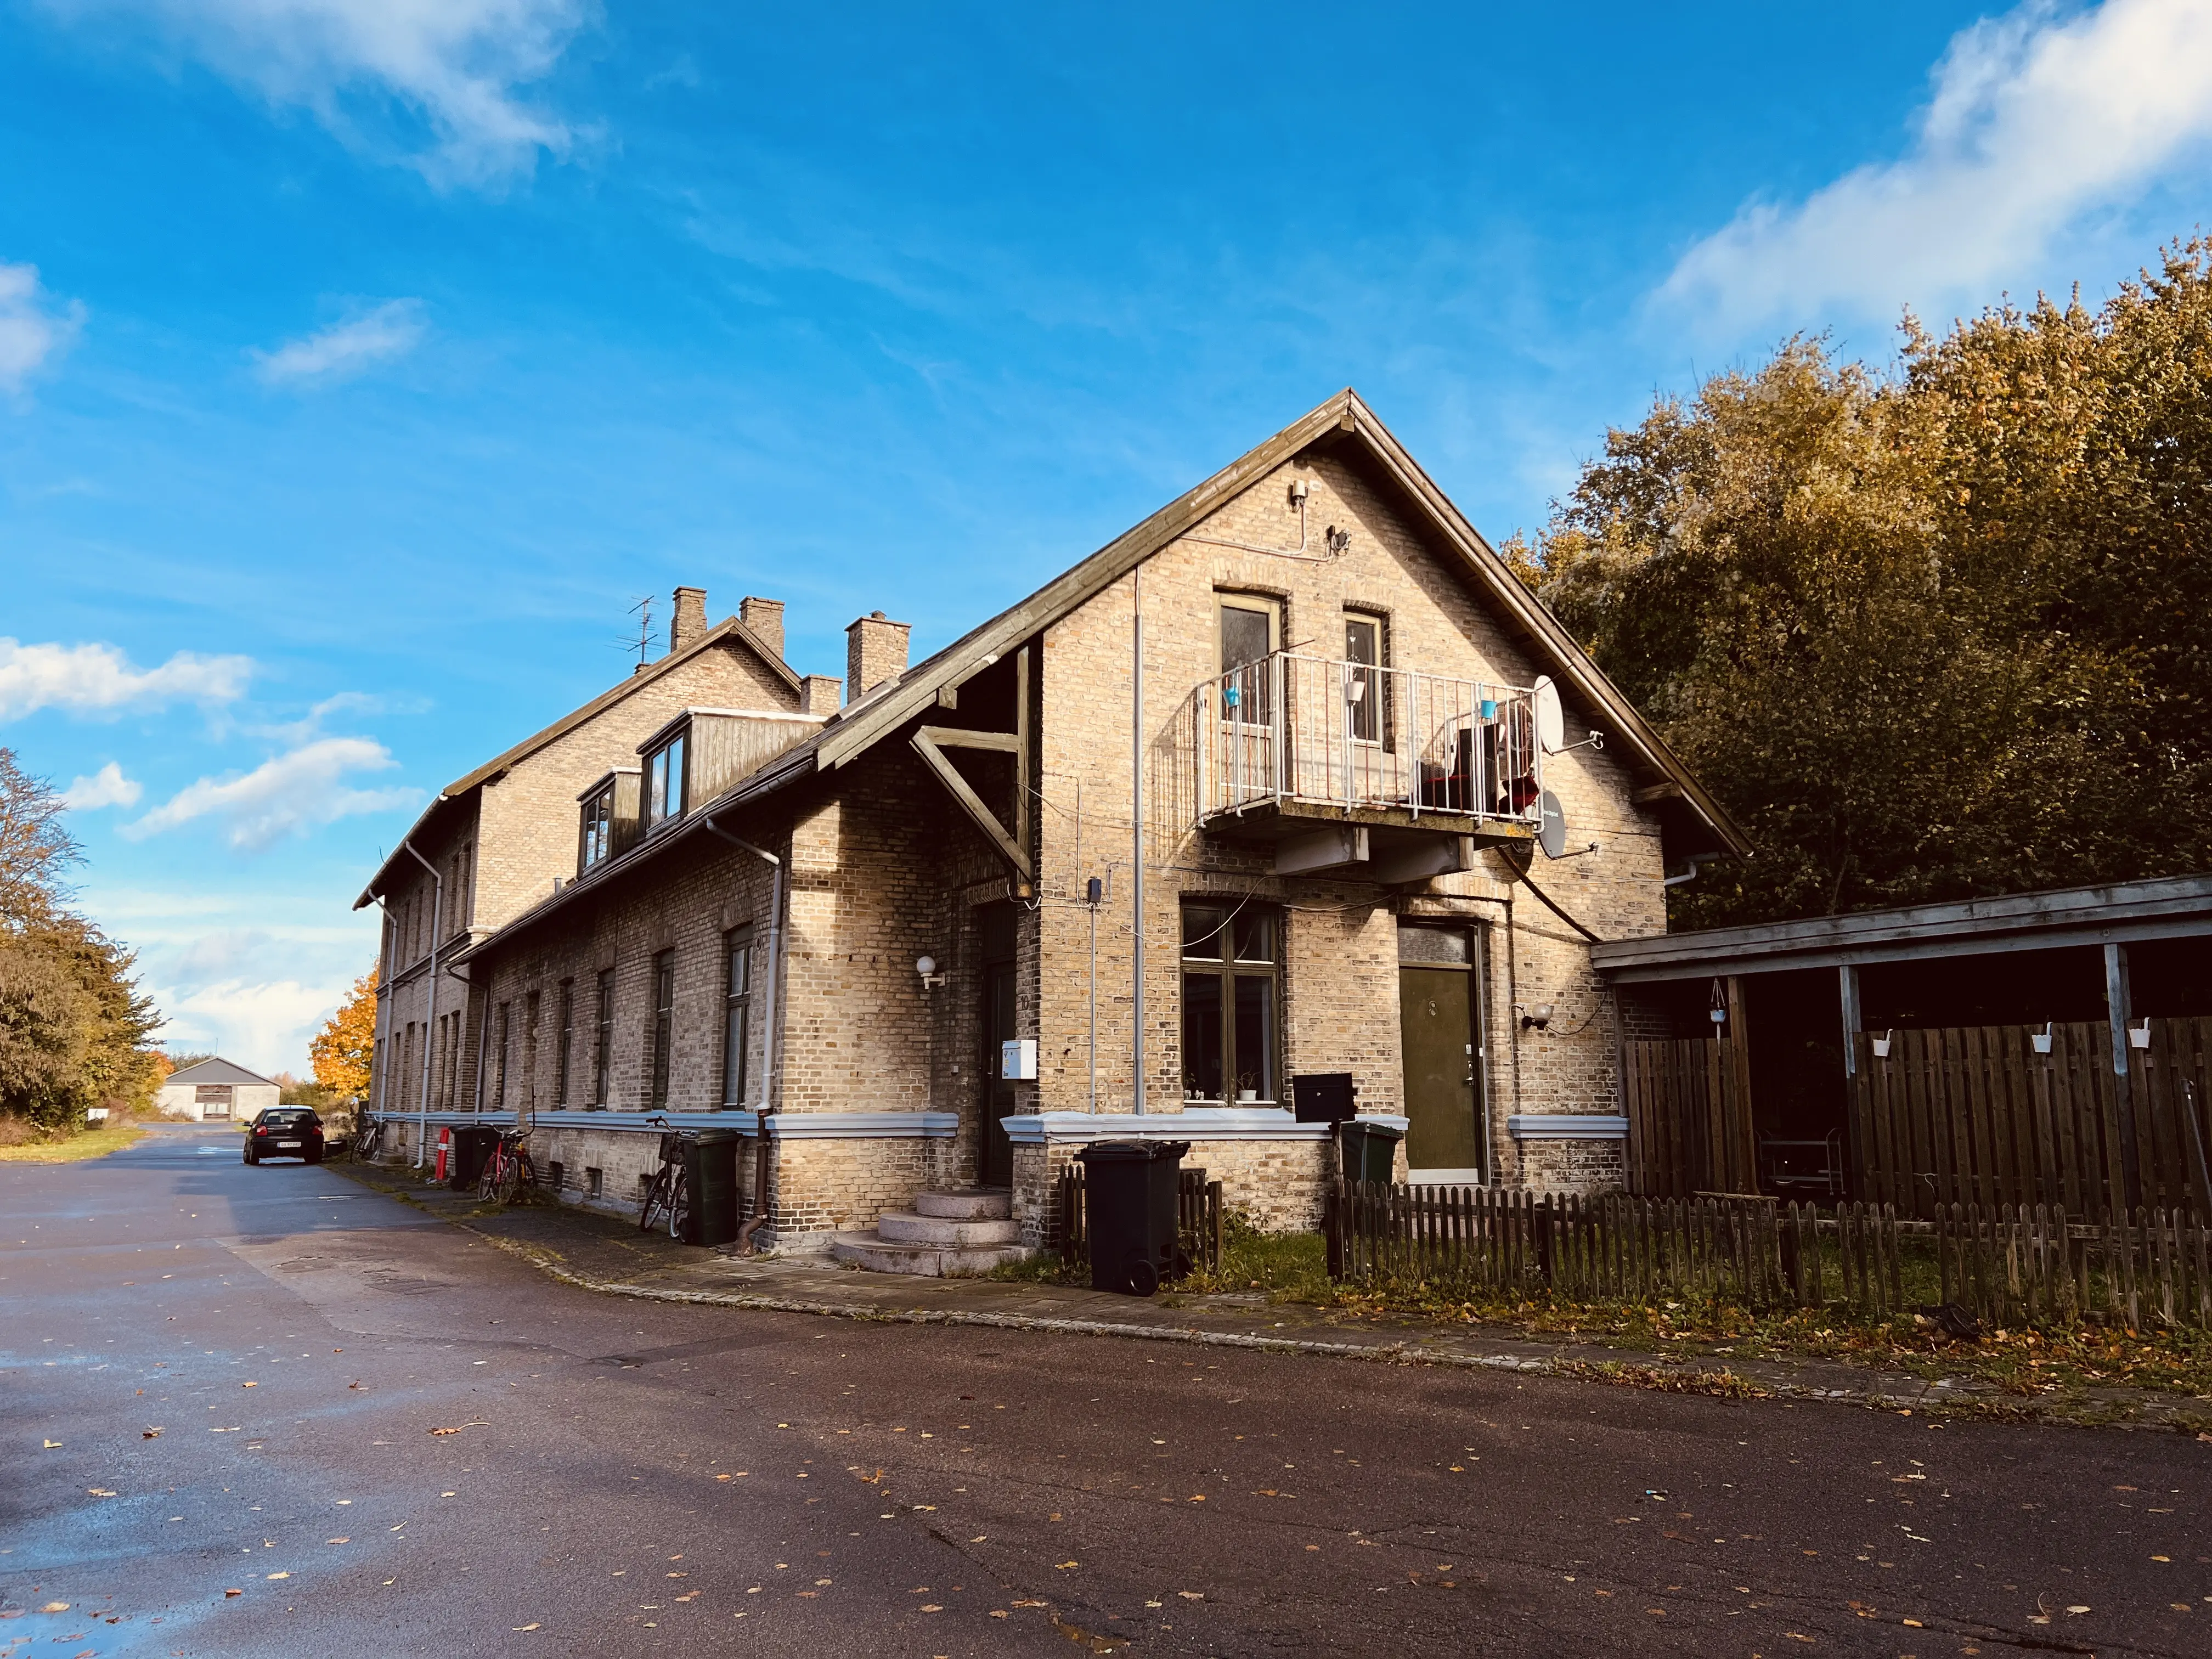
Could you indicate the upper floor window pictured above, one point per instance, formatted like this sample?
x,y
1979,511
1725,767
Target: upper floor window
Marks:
x,y
1363,692
596,840
663,782
1251,629
562,1054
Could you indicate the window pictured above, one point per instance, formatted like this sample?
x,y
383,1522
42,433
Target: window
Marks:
x,y
568,1042
1363,647
663,782
736,1016
499,1060
664,1023
603,1045
1249,632
595,839
1231,991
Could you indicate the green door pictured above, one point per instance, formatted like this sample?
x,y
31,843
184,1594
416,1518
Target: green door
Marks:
x,y
1436,1017
995,1154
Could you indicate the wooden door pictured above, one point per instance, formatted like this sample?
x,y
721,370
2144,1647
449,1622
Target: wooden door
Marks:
x,y
994,1153
1444,1138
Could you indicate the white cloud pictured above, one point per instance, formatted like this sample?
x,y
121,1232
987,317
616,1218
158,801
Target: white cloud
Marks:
x,y
105,788
343,349
263,1025
454,66
290,794
2037,118
31,329
99,679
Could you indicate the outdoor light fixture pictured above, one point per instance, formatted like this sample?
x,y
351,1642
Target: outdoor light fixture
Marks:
x,y
1537,1017
926,967
2041,1039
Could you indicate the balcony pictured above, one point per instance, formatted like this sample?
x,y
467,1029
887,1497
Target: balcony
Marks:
x,y
1291,745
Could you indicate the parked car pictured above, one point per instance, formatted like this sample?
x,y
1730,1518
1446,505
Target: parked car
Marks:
x,y
285,1131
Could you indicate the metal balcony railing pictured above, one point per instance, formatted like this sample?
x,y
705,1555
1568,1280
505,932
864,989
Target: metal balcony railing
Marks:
x,y
1348,734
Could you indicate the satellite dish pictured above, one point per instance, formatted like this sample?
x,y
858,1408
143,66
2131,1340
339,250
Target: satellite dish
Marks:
x,y
1552,831
1551,720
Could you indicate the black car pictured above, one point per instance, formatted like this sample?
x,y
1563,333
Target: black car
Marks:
x,y
285,1132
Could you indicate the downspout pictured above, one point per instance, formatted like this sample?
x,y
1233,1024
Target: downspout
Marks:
x,y
1137,826
380,1079
768,1034
430,1018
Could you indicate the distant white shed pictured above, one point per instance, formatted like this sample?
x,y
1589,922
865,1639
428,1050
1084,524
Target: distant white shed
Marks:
x,y
216,1090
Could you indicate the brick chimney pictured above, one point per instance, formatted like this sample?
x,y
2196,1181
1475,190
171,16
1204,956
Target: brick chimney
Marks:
x,y
764,618
875,651
818,694
689,622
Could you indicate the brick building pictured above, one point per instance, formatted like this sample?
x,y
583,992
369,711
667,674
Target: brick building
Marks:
x,y
1254,794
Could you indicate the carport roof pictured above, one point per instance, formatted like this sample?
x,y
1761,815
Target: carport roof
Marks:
x,y
2175,906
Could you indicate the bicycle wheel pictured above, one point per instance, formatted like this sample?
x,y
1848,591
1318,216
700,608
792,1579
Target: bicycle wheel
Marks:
x,y
488,1180
508,1181
680,1207
655,1195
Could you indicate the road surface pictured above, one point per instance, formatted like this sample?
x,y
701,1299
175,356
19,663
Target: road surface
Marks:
x,y
267,1411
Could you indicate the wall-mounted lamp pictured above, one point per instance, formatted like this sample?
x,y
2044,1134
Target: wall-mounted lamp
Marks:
x,y
2041,1039
1881,1044
1536,1018
926,967
2139,1035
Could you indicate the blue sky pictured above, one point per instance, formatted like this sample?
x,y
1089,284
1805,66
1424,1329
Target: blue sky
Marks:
x,y
362,362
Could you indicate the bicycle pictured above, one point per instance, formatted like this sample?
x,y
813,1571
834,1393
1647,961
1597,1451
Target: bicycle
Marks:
x,y
671,1190
508,1169
367,1134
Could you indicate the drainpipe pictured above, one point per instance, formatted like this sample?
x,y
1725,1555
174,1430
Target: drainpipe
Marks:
x,y
379,1080
429,1019
768,1036
1137,821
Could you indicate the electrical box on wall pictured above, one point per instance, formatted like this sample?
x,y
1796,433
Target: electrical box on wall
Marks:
x,y
1017,1060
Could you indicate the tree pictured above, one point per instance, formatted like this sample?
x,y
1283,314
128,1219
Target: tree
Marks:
x,y
1930,635
74,1025
342,1049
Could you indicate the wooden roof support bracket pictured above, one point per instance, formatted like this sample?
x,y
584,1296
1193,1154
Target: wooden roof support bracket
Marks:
x,y
930,742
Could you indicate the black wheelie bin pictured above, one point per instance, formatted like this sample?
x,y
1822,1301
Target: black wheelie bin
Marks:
x,y
1129,1203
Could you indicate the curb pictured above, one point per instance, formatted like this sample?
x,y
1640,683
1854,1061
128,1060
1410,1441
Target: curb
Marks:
x,y
1724,1384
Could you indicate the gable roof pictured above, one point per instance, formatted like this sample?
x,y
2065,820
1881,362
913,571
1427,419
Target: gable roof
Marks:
x,y
215,1071
728,629
1343,418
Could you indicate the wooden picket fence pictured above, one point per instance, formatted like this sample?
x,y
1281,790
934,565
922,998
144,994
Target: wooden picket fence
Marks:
x,y
2000,1265
1199,1223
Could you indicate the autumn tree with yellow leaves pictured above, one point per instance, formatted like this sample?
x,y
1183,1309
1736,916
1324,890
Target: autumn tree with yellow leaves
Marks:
x,y
342,1048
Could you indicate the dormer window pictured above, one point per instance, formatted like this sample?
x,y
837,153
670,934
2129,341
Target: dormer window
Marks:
x,y
598,829
607,819
664,783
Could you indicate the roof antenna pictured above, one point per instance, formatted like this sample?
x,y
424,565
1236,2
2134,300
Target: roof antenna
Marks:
x,y
643,611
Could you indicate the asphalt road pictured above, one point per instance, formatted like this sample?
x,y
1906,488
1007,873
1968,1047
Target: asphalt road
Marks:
x,y
386,1436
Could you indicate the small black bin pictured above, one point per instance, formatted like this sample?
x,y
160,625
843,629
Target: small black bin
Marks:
x,y
1324,1096
710,1178
1368,1150
467,1153
1129,1213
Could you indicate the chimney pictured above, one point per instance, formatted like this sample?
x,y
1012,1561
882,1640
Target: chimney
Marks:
x,y
875,651
818,694
764,618
689,623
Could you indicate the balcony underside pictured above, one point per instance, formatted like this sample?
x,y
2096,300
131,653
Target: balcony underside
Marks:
x,y
1392,845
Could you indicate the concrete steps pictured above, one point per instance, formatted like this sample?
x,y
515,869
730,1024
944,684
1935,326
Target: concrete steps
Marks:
x,y
963,1232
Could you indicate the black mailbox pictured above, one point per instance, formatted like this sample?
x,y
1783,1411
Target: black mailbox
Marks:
x,y
1325,1096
